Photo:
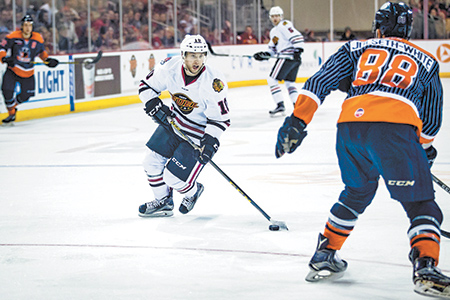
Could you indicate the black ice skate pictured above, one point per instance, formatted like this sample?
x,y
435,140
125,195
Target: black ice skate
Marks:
x,y
278,111
157,208
188,203
428,279
325,264
10,119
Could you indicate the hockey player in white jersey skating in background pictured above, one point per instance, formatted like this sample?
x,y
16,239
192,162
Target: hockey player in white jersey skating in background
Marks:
x,y
199,108
284,40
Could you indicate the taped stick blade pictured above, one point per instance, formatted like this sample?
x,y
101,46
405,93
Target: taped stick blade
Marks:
x,y
280,224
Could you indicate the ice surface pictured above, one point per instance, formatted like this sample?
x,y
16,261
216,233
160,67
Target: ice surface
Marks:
x,y
69,227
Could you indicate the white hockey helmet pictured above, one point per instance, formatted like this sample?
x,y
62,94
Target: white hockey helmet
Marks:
x,y
276,10
193,43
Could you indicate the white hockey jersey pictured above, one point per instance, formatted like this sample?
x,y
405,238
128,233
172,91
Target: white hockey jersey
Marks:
x,y
200,107
284,38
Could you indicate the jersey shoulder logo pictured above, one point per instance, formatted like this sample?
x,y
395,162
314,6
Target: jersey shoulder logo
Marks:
x,y
275,40
184,103
285,23
218,85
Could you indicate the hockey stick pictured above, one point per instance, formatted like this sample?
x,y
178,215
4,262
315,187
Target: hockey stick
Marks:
x,y
85,62
281,56
277,224
447,189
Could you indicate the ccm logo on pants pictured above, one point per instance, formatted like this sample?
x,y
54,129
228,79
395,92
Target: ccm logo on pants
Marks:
x,y
178,163
401,182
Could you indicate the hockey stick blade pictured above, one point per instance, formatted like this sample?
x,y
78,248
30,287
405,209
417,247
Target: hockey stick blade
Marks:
x,y
278,56
280,224
98,57
223,54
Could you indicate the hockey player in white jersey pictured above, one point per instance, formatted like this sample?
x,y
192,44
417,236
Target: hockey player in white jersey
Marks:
x,y
199,108
284,40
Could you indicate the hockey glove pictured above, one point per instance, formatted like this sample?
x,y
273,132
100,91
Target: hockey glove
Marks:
x,y
431,155
10,61
298,54
208,147
52,62
262,55
159,112
290,136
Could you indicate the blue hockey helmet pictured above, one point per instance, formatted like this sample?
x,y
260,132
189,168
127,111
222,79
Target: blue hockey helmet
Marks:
x,y
393,20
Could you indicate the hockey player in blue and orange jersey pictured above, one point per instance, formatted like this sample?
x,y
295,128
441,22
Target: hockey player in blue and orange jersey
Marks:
x,y
388,122
22,46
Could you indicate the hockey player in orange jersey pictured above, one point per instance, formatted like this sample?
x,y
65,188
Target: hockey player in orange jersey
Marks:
x,y
392,113
24,45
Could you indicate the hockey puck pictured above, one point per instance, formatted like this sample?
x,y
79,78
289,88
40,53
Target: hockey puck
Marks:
x,y
274,227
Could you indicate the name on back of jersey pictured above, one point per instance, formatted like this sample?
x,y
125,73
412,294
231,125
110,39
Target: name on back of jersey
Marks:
x,y
422,57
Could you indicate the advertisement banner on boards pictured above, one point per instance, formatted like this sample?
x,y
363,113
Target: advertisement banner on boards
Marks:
x,y
95,80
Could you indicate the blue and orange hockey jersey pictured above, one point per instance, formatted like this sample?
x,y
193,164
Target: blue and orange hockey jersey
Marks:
x,y
392,80
24,51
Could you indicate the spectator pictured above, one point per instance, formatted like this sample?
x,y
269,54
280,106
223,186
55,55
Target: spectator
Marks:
x,y
136,22
187,24
157,37
42,19
247,37
310,36
417,26
169,37
99,22
265,38
226,34
6,19
348,35
439,22
66,27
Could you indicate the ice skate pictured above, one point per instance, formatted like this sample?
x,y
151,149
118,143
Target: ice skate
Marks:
x,y
188,203
278,111
428,279
9,120
325,264
157,208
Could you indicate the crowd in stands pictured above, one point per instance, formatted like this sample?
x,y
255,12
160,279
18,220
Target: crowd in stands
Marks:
x,y
72,36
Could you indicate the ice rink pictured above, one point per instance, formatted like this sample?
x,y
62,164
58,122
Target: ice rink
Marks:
x,y
71,187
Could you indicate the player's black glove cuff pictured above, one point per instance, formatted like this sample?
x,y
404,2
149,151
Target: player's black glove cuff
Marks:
x,y
431,155
290,135
263,55
10,61
158,111
298,54
52,62
208,147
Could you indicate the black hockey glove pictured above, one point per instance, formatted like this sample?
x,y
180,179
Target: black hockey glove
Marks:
x,y
10,61
208,147
298,54
52,62
159,112
290,136
431,155
262,55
